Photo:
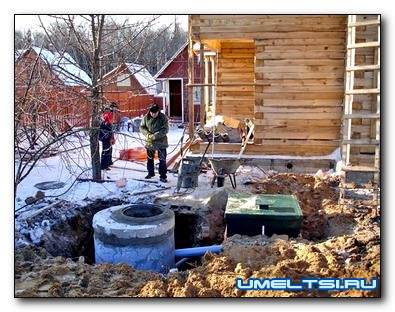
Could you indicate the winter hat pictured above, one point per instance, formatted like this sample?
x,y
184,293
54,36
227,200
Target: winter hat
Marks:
x,y
107,116
154,108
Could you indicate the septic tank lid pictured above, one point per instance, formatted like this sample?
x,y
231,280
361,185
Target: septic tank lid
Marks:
x,y
141,213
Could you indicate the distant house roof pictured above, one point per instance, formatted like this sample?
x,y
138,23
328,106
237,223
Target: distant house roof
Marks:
x,y
143,77
63,65
171,59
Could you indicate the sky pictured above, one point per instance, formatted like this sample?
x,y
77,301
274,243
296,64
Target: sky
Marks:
x,y
25,22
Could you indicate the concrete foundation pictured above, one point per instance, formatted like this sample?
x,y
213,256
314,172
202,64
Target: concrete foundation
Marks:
x,y
283,164
140,235
199,217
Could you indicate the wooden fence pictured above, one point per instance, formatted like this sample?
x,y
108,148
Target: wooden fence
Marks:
x,y
131,105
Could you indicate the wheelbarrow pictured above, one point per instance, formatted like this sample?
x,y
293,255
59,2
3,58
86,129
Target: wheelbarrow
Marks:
x,y
228,167
223,168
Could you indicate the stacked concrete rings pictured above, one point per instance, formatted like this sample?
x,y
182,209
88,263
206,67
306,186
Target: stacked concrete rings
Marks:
x,y
141,235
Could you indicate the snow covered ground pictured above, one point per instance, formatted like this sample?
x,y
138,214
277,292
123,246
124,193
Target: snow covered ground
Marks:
x,y
66,169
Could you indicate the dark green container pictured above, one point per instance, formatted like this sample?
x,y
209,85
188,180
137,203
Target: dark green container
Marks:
x,y
268,214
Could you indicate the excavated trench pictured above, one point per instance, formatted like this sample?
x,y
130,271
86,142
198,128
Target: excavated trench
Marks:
x,y
71,235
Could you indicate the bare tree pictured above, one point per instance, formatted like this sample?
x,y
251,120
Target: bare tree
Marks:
x,y
46,111
94,44
97,23
87,35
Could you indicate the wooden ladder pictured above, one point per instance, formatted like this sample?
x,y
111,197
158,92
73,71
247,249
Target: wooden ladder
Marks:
x,y
350,170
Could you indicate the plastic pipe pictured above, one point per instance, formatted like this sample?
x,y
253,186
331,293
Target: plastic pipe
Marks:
x,y
197,251
182,261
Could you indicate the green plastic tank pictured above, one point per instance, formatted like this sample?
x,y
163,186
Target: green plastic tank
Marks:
x,y
268,214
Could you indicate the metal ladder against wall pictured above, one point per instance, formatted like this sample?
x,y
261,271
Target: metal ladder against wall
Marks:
x,y
350,170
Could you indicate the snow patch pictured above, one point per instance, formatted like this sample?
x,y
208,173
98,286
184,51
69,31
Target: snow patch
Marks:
x,y
36,234
64,66
57,169
143,77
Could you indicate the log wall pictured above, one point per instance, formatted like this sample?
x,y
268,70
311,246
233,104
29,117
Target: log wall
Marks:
x,y
236,65
299,67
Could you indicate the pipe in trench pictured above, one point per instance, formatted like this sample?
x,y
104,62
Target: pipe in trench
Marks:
x,y
182,261
197,251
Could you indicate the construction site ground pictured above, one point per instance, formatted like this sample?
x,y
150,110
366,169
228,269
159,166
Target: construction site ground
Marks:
x,y
335,241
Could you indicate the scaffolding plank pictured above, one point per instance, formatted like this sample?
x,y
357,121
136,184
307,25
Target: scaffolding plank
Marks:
x,y
359,169
363,91
369,44
361,116
364,23
363,67
362,142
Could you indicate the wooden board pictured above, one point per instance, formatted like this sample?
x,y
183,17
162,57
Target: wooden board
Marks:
x,y
275,147
299,102
296,122
268,35
306,133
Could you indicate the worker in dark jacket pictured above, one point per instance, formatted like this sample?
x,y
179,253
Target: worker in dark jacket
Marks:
x,y
155,127
106,136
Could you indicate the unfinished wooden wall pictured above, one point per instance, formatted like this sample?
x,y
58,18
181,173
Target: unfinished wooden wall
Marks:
x,y
300,86
299,75
236,65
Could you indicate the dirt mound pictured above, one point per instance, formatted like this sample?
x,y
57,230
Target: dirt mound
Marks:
x,y
38,274
259,256
313,194
343,256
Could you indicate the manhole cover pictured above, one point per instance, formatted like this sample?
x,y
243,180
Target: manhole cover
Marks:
x,y
50,185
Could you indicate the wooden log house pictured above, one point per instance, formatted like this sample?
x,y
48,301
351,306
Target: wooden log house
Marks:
x,y
288,73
